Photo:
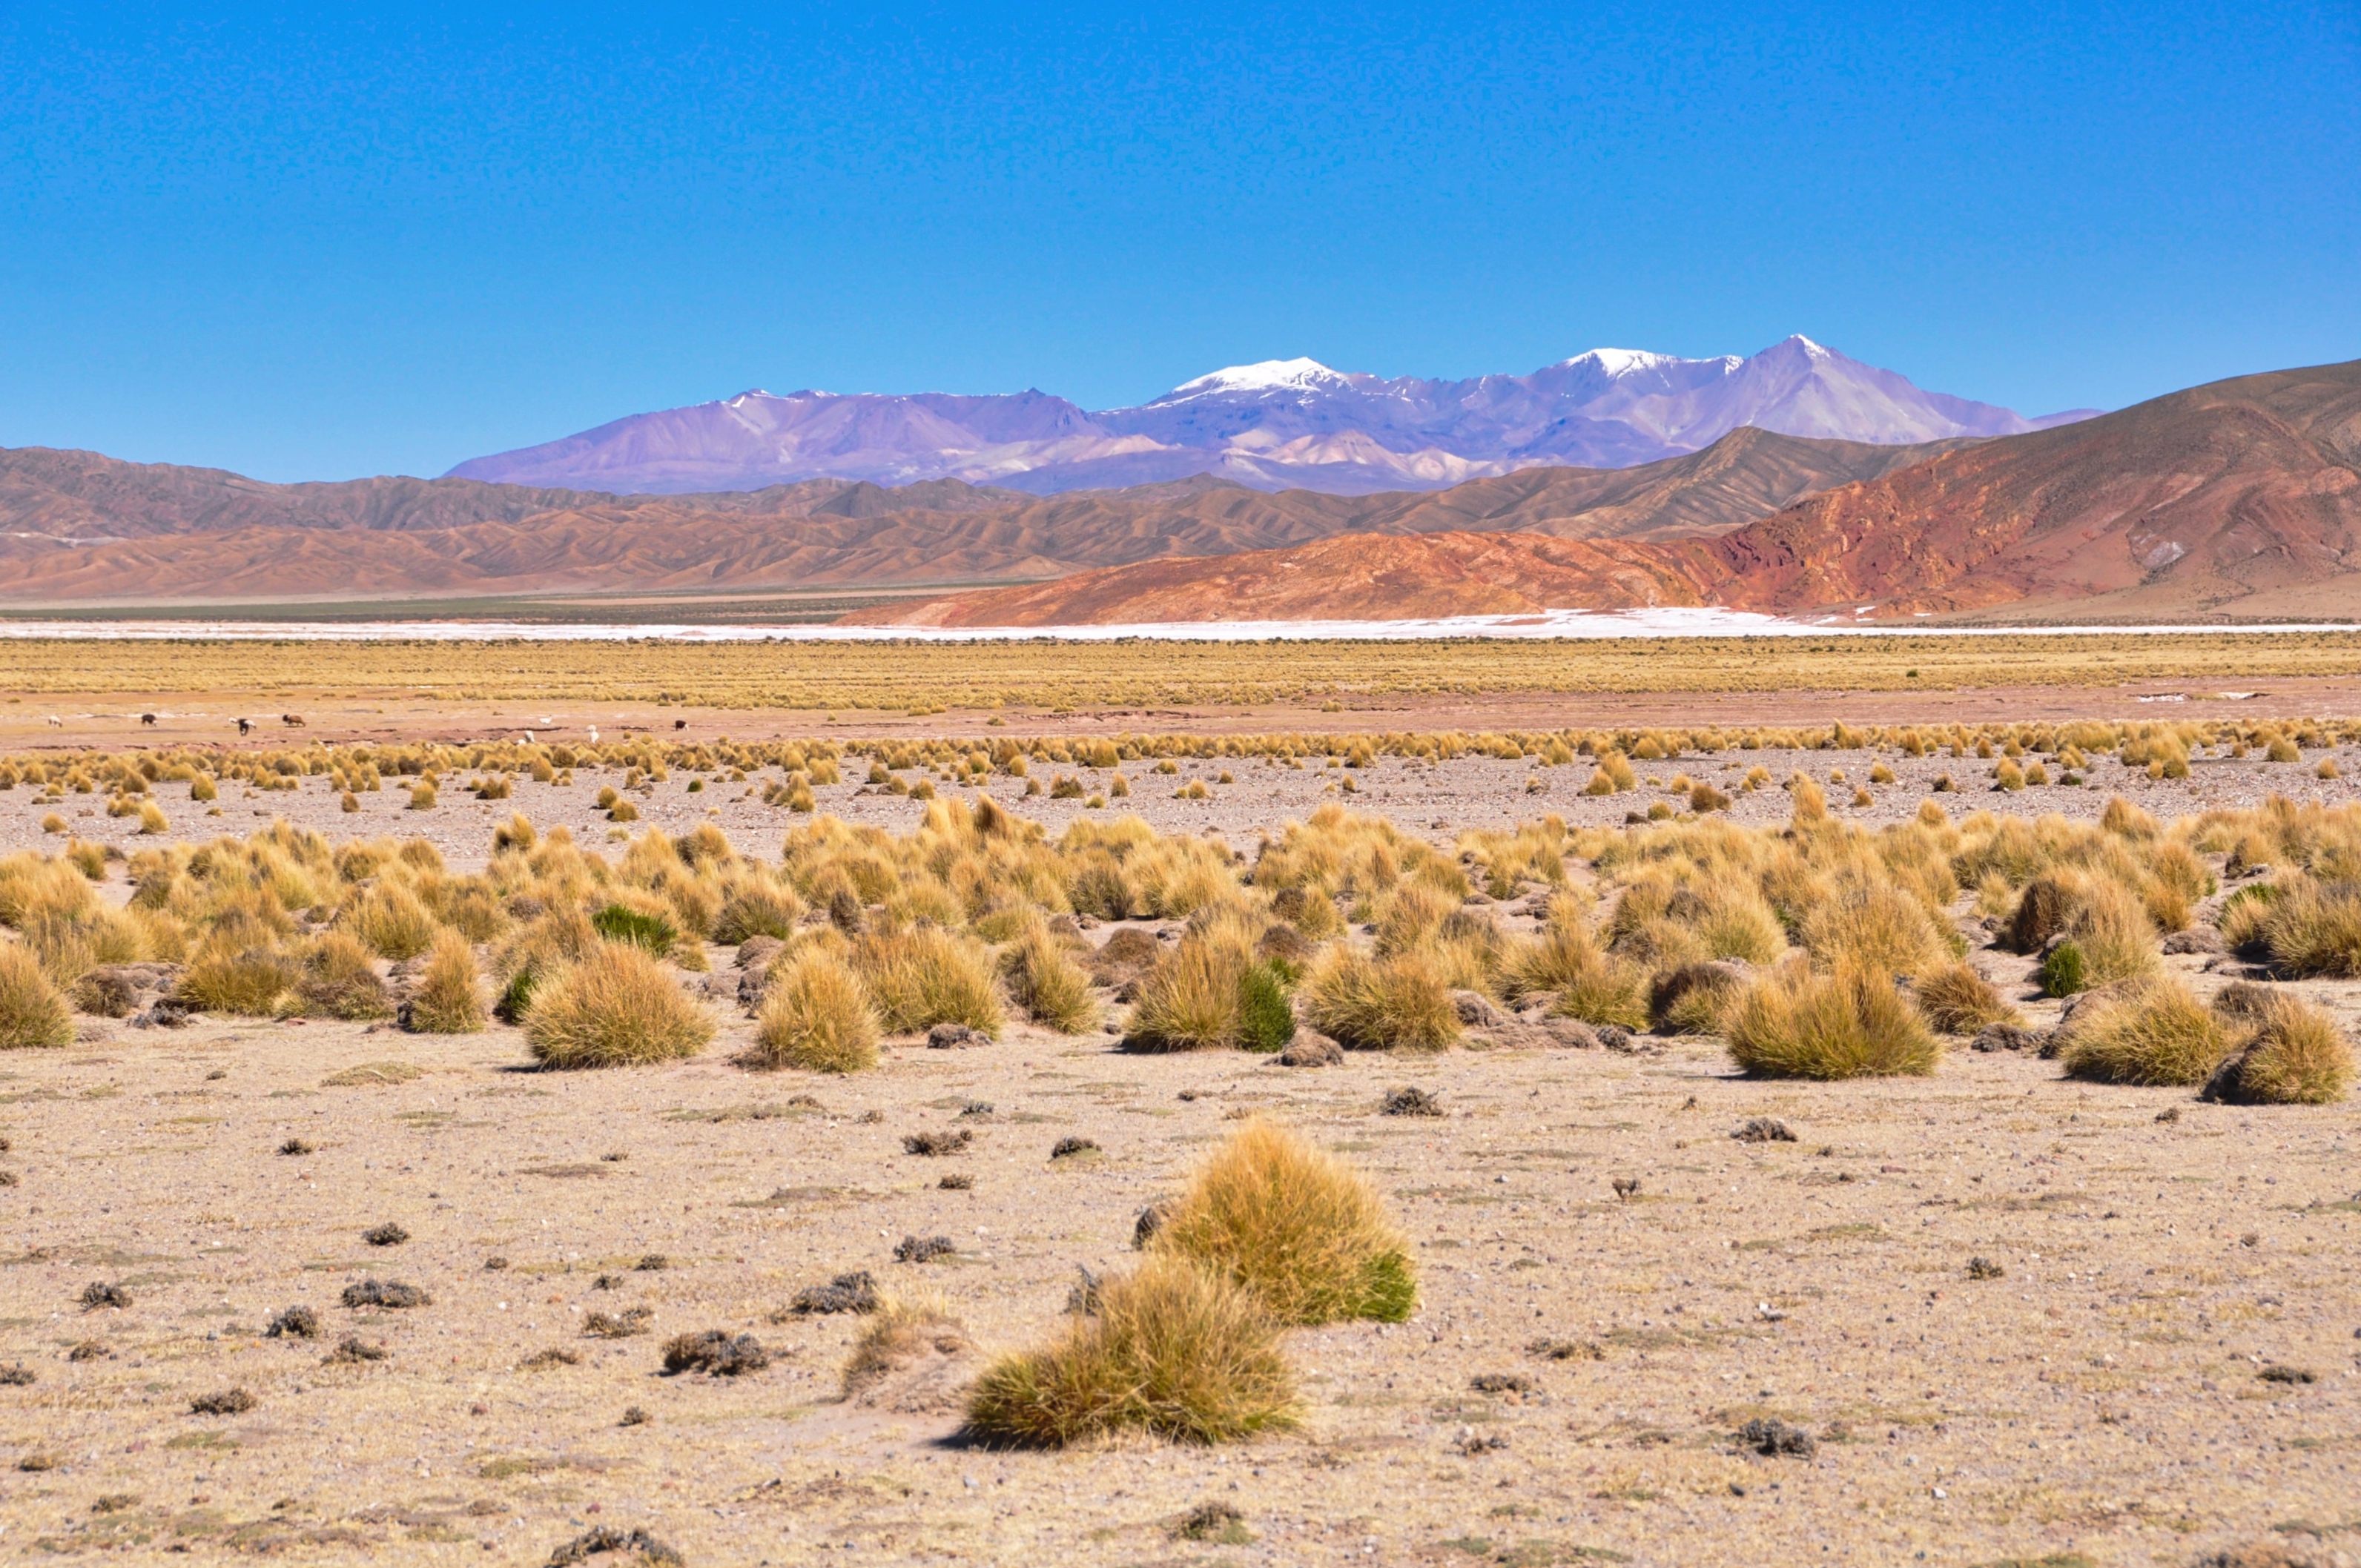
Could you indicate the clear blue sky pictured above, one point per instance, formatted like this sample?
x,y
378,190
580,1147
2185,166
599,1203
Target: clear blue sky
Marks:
x,y
315,243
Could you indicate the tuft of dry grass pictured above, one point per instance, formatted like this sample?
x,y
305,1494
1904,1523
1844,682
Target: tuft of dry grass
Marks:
x,y
254,984
816,1015
2152,1032
2313,929
339,981
615,1008
2298,1057
1395,1003
1795,1022
1588,983
1172,1349
926,976
1045,980
446,1003
33,1012
1301,1229
901,1329
1956,1000
1877,928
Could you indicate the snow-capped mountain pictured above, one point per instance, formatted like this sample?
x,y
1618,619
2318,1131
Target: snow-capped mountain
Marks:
x,y
1282,423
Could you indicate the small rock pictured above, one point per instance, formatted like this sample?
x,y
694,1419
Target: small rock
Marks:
x,y
2008,1037
1475,1010
1311,1048
954,1036
2196,940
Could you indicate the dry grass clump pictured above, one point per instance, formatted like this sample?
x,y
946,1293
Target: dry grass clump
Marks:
x,y
2313,929
1876,927
901,1329
1795,1022
339,981
1395,1003
446,1002
1588,985
1302,1229
926,976
816,1015
1044,980
2297,1055
255,984
390,921
717,1352
1172,1349
1956,1000
2153,1031
1188,1000
616,1008
33,1012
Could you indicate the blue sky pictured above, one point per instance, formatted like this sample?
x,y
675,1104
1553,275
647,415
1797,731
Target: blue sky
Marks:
x,y
313,245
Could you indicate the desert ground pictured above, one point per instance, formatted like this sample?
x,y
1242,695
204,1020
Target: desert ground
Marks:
x,y
2157,1358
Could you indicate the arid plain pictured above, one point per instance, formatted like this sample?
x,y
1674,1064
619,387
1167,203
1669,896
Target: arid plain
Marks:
x,y
2023,1317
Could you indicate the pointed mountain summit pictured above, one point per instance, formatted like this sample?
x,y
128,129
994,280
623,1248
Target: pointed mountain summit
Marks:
x,y
1277,425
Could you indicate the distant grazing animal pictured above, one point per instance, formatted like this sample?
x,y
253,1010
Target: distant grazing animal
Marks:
x,y
680,724
246,726
148,718
1626,1187
593,735
292,721
55,723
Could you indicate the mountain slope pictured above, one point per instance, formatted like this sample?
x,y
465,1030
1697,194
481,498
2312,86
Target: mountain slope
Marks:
x,y
1282,424
2242,498
77,527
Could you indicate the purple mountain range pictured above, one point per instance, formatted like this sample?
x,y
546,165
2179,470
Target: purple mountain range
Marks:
x,y
1281,424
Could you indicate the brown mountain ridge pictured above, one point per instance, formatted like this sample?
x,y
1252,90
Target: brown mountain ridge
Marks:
x,y
79,528
2241,498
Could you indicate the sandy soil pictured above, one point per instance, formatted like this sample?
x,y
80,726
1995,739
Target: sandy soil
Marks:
x,y
2102,1401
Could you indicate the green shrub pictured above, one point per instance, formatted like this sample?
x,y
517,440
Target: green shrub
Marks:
x,y
1266,1014
2063,973
652,933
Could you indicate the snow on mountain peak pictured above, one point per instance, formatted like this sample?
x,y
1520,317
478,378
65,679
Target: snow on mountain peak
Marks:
x,y
1621,361
1266,376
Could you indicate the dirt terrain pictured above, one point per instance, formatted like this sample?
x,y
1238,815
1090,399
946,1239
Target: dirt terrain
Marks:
x,y
2106,1397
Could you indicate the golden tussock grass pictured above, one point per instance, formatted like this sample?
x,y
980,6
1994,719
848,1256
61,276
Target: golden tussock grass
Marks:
x,y
339,981
816,1015
1044,980
2314,930
1397,1004
616,1008
2153,1031
901,1329
926,976
1588,985
2292,1053
446,1002
33,1012
1172,1349
1876,927
1956,1000
1299,1228
1795,1023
